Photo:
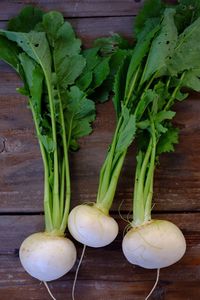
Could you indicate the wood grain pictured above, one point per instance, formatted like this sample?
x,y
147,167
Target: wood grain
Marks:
x,y
177,181
104,272
89,29
14,229
70,8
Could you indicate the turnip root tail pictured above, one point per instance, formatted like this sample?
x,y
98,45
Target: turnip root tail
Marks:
x,y
77,270
155,284
48,290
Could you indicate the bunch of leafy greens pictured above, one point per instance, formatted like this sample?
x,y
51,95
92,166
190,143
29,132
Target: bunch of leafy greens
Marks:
x,y
166,59
147,82
57,79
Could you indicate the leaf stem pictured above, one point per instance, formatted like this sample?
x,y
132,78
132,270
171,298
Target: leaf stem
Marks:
x,y
106,203
148,190
139,201
172,98
62,188
65,212
106,170
56,206
132,85
47,209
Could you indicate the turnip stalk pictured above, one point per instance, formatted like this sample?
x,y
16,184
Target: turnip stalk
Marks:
x,y
129,109
172,63
47,56
152,244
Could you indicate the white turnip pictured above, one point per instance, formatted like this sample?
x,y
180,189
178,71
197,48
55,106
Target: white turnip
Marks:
x,y
154,245
91,226
47,256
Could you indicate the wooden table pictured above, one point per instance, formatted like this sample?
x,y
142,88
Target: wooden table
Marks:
x,y
104,274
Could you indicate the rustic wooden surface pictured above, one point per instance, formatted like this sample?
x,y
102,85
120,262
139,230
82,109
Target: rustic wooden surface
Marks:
x,y
104,274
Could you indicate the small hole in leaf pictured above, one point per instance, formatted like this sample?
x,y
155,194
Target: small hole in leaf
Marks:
x,y
36,45
167,42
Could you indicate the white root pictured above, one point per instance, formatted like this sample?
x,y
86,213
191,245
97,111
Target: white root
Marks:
x,y
47,257
154,245
77,270
91,227
154,286
48,290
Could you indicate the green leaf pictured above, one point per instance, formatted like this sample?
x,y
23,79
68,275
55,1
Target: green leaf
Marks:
x,y
151,9
139,52
186,12
186,54
192,80
100,72
160,128
119,84
101,94
164,115
34,80
68,63
9,52
48,143
147,97
60,35
69,70
167,141
27,19
79,113
127,131
35,45
84,80
92,58
180,96
144,124
110,45
162,47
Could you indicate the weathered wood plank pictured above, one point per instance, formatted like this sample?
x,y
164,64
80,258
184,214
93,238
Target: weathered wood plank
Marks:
x,y
70,8
101,290
90,28
14,229
104,272
177,182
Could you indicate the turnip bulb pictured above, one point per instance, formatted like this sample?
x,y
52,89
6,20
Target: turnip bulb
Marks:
x,y
154,245
46,256
91,226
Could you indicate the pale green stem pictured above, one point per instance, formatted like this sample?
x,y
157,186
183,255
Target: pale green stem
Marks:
x,y
138,207
132,86
65,210
62,188
47,210
105,179
137,173
173,97
148,192
56,206
107,201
